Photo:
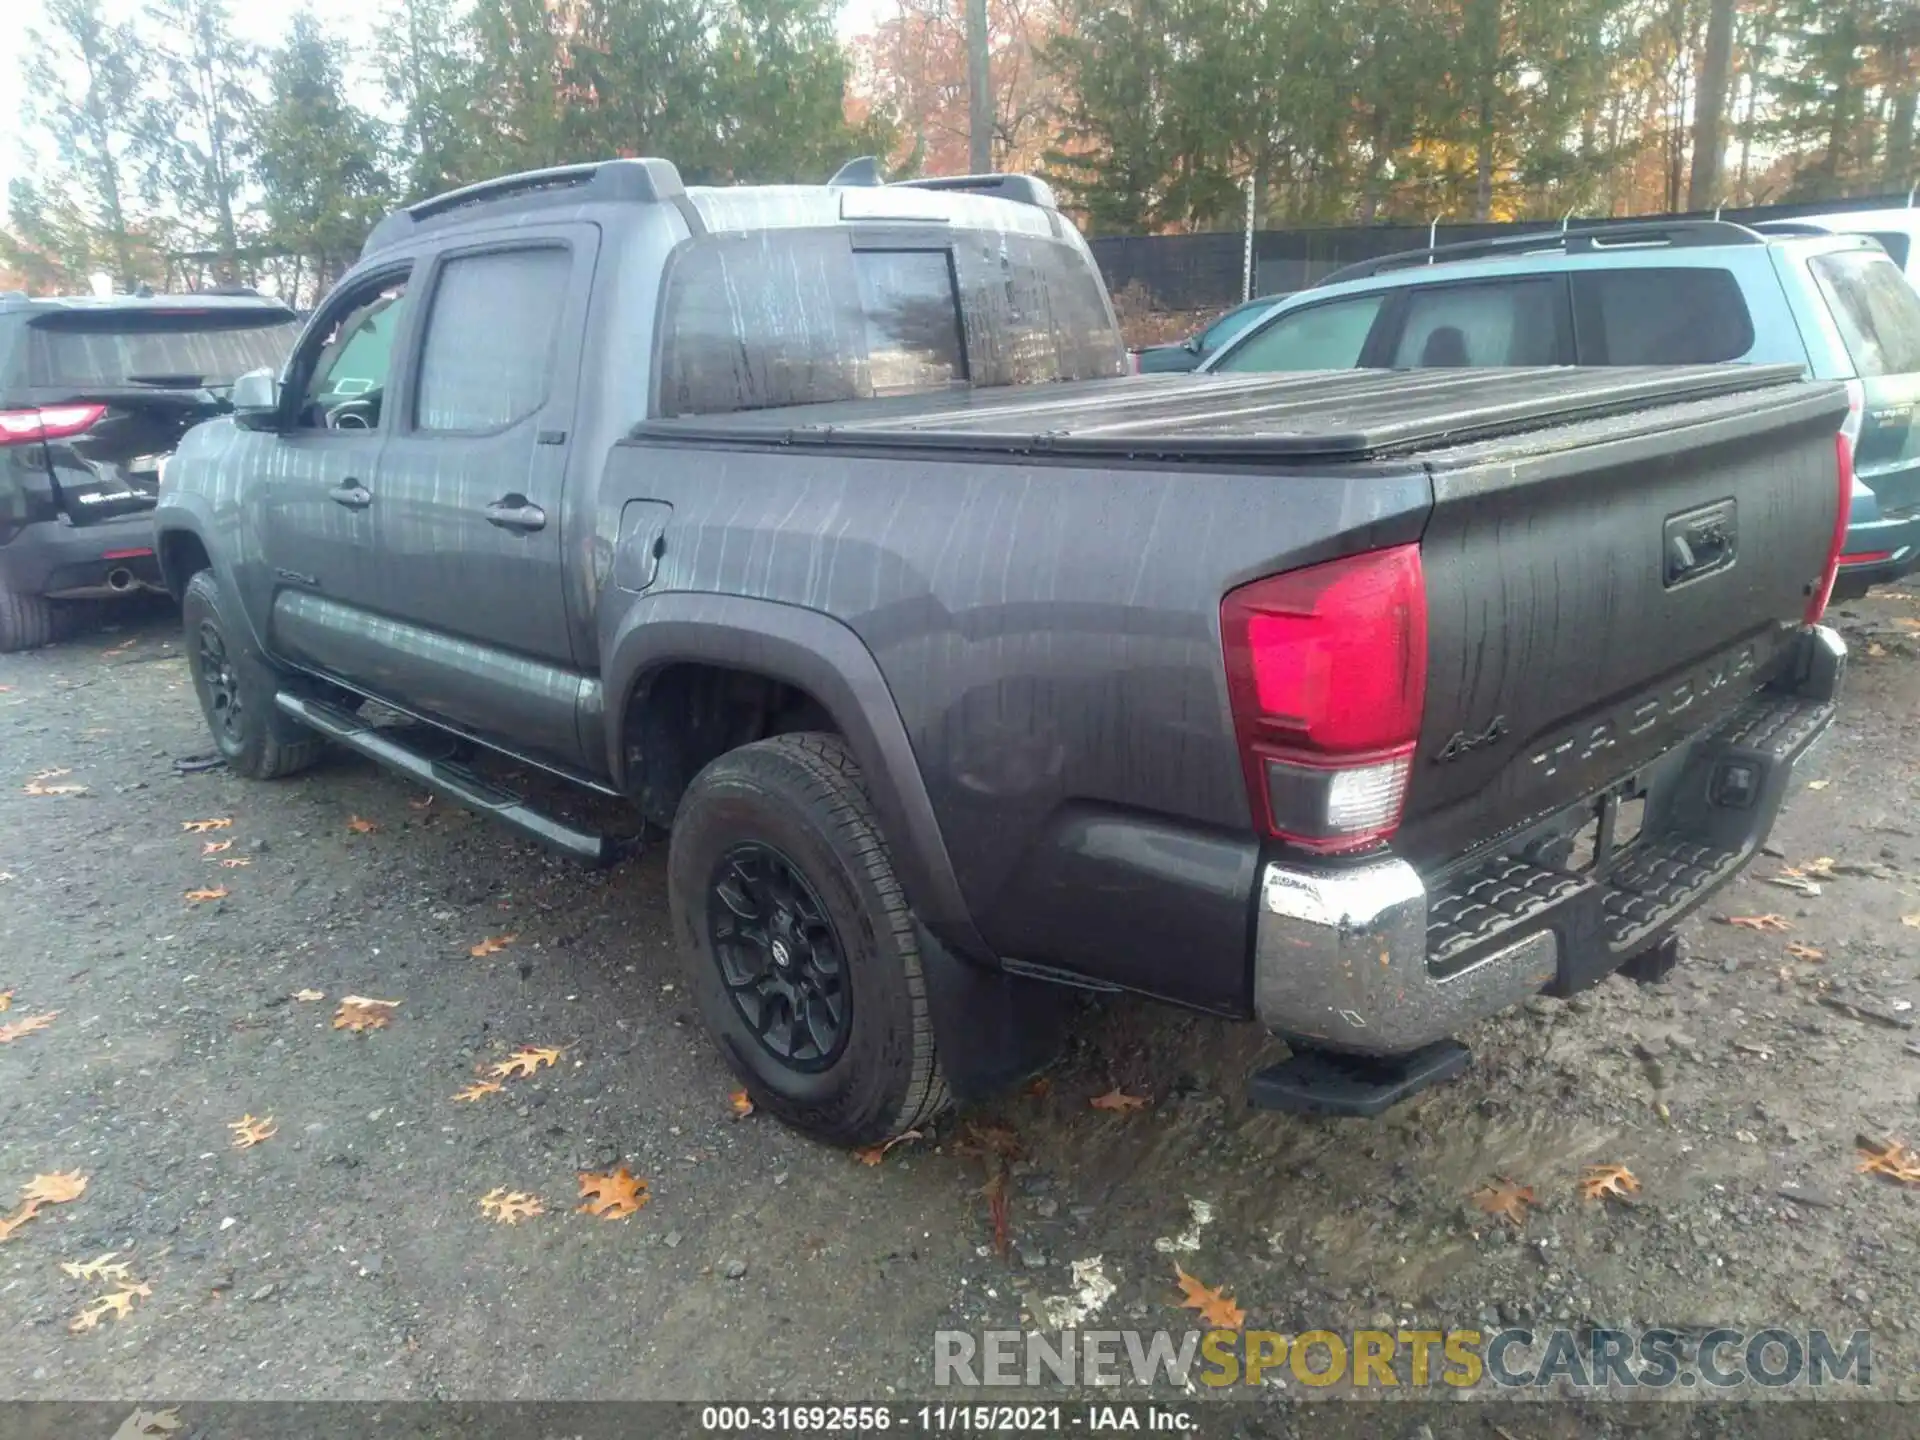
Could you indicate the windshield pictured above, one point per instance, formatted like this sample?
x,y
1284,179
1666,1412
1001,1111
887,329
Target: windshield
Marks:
x,y
186,348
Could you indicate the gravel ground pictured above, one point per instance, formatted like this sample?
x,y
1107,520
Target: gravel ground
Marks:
x,y
347,1256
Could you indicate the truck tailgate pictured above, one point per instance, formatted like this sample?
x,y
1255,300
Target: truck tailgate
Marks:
x,y
1599,591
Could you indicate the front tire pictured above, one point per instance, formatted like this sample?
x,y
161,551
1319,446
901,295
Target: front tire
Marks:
x,y
236,688
800,944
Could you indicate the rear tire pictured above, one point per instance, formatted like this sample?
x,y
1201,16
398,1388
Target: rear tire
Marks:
x,y
26,622
800,945
236,687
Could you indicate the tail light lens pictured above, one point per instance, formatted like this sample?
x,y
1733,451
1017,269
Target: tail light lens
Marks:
x,y
1843,456
1326,673
49,422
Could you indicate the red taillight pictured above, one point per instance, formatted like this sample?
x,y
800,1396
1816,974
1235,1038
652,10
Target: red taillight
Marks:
x,y
1843,454
1865,557
1326,672
49,422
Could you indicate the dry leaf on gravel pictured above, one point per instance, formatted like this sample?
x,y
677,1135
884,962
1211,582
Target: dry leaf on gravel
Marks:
x,y
613,1196
1818,784
361,827
119,1305
425,802
999,1209
11,1223
97,1270
1911,920
200,827
142,1424
492,945
1118,1100
510,1207
215,847
1601,1181
742,1104
1500,1196
1804,952
525,1060
479,1089
6,1001
58,1188
1039,1087
29,1025
358,1013
37,784
235,864
985,1140
309,995
874,1154
1891,1159
249,1132
211,892
1216,1309
1774,923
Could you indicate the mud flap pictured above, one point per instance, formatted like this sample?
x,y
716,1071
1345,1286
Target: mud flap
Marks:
x,y
991,1029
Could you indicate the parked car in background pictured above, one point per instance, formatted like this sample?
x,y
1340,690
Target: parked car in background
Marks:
x,y
1666,293
1897,230
1183,355
821,527
95,392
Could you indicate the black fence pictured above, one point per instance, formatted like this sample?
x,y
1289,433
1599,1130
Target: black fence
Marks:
x,y
1204,272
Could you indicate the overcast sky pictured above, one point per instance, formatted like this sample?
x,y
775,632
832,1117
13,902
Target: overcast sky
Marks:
x,y
265,22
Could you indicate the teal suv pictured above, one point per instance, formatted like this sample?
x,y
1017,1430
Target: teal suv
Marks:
x,y
1679,293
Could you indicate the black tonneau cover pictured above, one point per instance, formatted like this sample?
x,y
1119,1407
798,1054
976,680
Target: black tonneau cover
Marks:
x,y
1322,415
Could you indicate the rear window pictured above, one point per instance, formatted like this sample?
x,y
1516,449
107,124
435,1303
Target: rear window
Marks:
x,y
83,349
1876,310
1675,315
1485,324
800,316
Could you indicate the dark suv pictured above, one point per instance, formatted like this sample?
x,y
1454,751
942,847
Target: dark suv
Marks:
x,y
94,395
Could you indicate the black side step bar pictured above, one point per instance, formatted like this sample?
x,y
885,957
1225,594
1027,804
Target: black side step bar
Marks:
x,y
452,781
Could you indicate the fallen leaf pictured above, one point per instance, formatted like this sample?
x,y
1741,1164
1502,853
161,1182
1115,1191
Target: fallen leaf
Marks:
x,y
1906,622
1804,952
524,1061
235,864
1118,1100
510,1207
742,1103
1911,920
143,1423
118,1305
6,1001
874,1154
37,784
361,827
200,827
425,802
1876,651
55,1189
95,1270
212,892
998,1208
1216,1309
1818,784
122,647
11,1223
1891,1159
613,1196
308,996
358,1013
1821,868
492,945
479,1089
1502,1197
215,847
1760,922
987,1140
1039,1087
249,1132
27,1026
1597,1181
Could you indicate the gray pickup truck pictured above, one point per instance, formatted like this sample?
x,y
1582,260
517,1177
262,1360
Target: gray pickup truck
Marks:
x,y
822,527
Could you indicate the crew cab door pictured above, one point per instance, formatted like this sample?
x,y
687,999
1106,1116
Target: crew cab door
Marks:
x,y
316,493
467,519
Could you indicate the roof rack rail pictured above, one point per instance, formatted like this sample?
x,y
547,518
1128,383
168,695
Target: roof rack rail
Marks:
x,y
1025,189
1585,240
639,180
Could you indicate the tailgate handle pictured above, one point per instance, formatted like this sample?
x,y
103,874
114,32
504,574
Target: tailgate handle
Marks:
x,y
1698,543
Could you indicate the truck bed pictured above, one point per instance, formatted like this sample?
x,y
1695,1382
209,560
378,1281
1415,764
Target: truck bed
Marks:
x,y
1322,416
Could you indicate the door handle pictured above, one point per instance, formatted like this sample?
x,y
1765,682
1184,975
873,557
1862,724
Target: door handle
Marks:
x,y
516,512
352,494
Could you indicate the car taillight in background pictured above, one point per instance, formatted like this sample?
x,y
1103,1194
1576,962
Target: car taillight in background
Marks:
x,y
49,422
1843,458
1326,673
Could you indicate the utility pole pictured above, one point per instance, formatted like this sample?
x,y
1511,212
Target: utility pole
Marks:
x,y
979,91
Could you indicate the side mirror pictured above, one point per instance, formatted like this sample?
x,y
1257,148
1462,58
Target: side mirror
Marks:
x,y
1191,344
256,401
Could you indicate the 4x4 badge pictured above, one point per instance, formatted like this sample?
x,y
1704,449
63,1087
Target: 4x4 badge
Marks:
x,y
1461,743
